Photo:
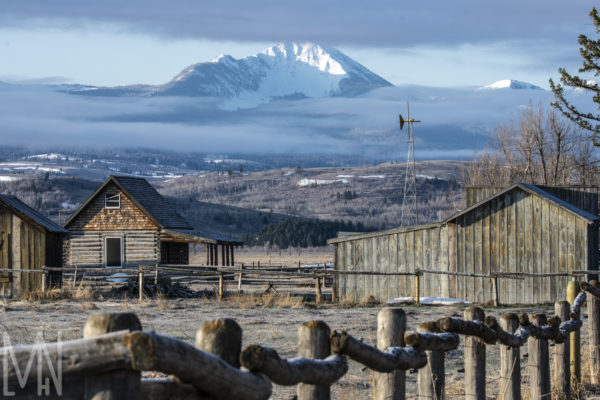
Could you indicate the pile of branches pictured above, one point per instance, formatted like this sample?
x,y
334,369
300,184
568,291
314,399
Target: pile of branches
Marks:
x,y
164,287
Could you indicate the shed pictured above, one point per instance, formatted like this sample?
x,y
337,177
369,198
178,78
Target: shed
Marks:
x,y
126,222
522,229
28,241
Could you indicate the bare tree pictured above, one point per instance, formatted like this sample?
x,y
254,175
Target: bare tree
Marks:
x,y
537,147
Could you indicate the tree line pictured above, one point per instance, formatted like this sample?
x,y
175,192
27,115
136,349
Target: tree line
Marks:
x,y
301,233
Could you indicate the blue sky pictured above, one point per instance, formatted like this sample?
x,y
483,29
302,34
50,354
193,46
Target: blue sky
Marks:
x,y
435,43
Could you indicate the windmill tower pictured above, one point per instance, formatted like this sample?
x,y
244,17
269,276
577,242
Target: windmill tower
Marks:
x,y
410,215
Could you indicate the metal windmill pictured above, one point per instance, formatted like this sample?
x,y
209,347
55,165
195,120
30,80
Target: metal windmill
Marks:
x,y
410,214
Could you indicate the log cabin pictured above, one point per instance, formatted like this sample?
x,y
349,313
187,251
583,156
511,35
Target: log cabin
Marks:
x,y
126,222
523,230
28,241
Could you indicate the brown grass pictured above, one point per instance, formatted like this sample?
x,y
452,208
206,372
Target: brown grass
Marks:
x,y
162,301
48,295
267,300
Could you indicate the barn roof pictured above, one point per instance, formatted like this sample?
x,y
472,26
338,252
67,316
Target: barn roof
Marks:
x,y
24,211
529,188
536,191
156,207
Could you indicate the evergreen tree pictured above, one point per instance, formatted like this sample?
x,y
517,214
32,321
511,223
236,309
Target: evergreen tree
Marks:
x,y
590,52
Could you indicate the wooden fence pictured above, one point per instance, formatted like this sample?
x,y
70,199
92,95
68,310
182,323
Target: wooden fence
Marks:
x,y
108,361
269,276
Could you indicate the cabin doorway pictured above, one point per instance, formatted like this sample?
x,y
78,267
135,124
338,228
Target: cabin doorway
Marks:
x,y
113,252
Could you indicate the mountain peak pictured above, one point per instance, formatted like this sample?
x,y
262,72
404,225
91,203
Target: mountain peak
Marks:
x,y
285,70
511,84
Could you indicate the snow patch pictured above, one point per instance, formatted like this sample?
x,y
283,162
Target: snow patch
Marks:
x,y
4,178
428,300
317,182
372,176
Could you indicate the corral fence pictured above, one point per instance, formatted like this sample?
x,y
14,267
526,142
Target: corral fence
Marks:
x,y
269,276
107,363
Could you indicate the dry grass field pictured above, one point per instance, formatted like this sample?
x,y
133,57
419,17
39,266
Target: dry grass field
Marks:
x,y
270,320
290,256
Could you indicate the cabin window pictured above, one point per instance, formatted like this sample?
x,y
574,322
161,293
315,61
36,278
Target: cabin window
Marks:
x,y
112,201
113,252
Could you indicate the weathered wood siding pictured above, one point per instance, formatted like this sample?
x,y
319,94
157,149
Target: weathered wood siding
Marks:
x,y
138,247
5,243
516,232
520,232
24,245
395,252
96,217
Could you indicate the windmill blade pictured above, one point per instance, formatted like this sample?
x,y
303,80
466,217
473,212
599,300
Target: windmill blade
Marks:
x,y
401,121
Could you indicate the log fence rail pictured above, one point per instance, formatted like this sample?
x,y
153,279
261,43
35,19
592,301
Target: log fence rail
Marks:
x,y
107,363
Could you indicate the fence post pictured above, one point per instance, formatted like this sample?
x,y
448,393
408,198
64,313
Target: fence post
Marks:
x,y
538,364
431,379
474,359
115,385
391,324
593,308
417,288
240,277
220,285
44,280
561,376
319,295
141,284
510,362
313,342
156,275
575,342
222,337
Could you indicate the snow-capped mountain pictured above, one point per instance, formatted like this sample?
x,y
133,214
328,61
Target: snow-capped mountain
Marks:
x,y
511,84
284,70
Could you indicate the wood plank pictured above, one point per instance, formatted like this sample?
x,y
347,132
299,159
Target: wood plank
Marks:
x,y
554,249
410,257
393,264
571,242
418,252
469,259
444,250
545,250
509,242
361,254
452,258
427,282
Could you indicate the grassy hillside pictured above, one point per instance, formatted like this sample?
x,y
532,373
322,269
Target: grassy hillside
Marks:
x,y
235,204
371,195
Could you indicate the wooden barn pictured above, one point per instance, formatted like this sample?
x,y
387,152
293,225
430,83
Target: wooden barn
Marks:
x,y
28,241
126,222
523,229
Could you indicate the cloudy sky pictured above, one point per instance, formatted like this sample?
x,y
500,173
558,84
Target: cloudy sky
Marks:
x,y
436,43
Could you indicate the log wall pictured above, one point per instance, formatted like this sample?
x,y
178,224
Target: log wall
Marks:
x,y
138,247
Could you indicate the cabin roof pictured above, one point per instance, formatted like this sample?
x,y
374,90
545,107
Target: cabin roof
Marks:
x,y
24,211
201,237
155,206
